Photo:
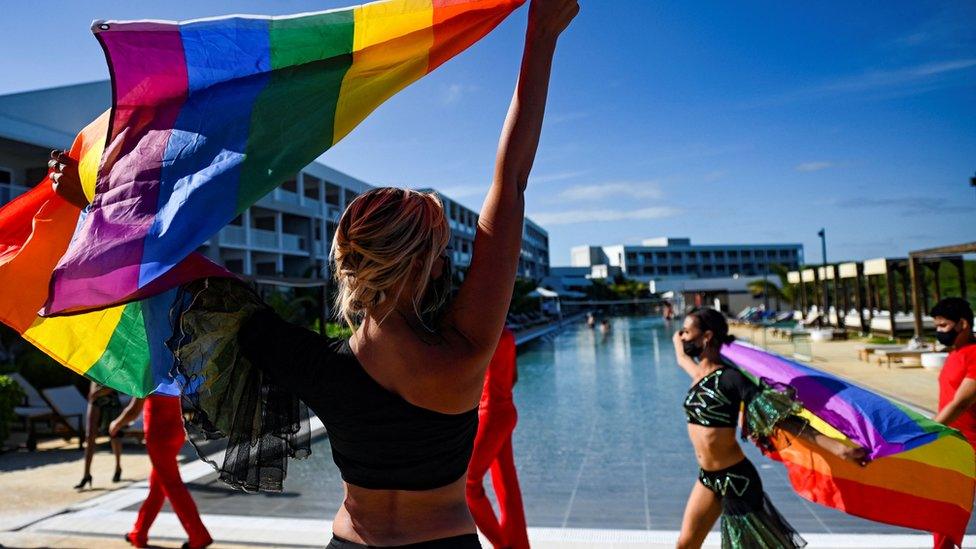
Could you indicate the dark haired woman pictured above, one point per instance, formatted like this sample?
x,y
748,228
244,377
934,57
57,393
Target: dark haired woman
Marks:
x,y
728,484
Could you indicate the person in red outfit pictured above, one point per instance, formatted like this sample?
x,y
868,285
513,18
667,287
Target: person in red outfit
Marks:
x,y
493,450
163,418
957,381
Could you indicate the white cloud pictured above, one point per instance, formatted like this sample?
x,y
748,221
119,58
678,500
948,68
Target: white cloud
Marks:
x,y
559,118
555,177
645,189
461,191
454,93
906,80
570,217
814,166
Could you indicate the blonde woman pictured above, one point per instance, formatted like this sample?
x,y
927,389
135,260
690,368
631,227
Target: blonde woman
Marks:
x,y
400,397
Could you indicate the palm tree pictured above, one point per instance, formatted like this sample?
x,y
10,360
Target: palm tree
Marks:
x,y
784,292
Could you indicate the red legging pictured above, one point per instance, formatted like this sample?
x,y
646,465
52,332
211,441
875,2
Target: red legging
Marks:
x,y
163,418
493,449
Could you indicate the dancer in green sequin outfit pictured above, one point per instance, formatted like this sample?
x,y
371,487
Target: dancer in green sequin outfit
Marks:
x,y
728,484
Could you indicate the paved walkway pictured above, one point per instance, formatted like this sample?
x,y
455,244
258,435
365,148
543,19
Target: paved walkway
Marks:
x,y
913,385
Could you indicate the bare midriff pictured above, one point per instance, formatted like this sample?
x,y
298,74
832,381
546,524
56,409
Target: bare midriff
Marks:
x,y
401,517
715,447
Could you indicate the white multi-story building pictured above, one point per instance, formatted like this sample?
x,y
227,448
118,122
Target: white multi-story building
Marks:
x,y
285,234
665,258
534,261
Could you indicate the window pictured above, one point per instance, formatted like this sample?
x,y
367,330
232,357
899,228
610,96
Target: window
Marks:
x,y
6,176
291,186
332,193
312,187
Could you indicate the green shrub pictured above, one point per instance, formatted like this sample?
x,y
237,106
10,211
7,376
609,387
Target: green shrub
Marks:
x,y
11,395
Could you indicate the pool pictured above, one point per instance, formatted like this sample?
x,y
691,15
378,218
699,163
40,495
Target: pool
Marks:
x,y
601,443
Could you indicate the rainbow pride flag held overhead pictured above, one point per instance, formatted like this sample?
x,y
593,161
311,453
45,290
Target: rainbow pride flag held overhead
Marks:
x,y
922,476
121,346
210,115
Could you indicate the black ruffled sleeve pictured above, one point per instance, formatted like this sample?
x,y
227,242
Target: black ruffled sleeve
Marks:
x,y
257,419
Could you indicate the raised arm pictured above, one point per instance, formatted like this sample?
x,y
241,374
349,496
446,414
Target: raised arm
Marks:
x,y
478,312
128,415
686,363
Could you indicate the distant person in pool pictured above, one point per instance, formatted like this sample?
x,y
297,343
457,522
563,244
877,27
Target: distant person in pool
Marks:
x,y
728,484
957,381
668,311
605,326
400,397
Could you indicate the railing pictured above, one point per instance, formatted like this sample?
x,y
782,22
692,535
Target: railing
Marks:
x,y
287,197
264,239
293,243
233,234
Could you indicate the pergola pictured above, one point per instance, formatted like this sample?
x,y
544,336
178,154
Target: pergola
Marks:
x,y
886,267
830,295
793,278
808,276
847,272
933,258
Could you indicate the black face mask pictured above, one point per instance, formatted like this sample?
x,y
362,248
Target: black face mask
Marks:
x,y
947,338
693,349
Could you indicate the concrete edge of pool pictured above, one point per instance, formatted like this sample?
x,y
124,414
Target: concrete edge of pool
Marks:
x,y
104,516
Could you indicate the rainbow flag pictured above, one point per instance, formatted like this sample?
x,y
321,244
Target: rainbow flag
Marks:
x,y
123,346
210,115
922,476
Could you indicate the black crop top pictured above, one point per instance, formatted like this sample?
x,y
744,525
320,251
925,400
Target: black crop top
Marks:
x,y
379,440
716,399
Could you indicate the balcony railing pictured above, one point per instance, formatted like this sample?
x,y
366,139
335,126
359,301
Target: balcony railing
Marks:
x,y
233,235
264,239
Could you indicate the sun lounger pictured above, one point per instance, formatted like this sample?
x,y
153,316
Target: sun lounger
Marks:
x,y
34,410
70,409
904,324
864,352
904,356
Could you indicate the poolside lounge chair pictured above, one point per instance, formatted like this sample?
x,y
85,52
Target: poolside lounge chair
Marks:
x,y
34,409
70,408
865,351
908,357
904,323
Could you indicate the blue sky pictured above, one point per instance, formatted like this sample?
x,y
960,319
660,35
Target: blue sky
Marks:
x,y
723,122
